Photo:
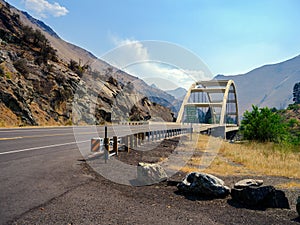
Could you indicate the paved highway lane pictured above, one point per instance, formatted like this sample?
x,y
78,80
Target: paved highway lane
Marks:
x,y
40,164
36,166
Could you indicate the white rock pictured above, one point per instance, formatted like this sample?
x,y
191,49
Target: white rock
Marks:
x,y
150,173
203,184
248,183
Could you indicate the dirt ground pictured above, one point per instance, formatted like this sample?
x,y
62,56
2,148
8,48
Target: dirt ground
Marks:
x,y
101,201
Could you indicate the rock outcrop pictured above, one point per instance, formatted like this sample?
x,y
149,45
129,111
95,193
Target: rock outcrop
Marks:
x,y
204,185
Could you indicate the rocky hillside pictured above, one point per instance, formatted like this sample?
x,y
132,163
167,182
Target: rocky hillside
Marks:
x,y
269,85
44,84
67,51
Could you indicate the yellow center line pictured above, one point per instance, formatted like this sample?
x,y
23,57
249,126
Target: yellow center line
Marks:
x,y
12,138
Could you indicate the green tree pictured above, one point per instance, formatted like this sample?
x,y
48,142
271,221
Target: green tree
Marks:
x,y
263,125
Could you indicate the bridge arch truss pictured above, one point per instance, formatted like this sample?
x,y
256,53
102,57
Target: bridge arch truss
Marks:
x,y
210,102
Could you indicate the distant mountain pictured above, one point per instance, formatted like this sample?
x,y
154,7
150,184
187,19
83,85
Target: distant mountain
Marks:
x,y
178,93
269,85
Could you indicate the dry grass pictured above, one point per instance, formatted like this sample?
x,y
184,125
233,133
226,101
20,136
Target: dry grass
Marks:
x,y
264,158
7,117
218,157
206,158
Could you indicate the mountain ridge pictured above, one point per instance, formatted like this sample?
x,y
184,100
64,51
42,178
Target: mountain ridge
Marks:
x,y
179,93
68,51
269,85
39,87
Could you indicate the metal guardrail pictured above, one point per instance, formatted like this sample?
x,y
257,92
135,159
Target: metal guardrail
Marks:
x,y
110,146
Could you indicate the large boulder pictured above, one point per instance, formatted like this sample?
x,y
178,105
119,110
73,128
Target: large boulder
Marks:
x,y
203,184
150,173
298,205
266,196
248,182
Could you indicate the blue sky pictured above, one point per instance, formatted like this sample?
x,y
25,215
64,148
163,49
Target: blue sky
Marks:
x,y
229,36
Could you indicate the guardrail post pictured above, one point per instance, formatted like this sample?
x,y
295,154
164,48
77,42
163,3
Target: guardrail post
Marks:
x,y
115,145
139,139
106,145
131,141
143,137
135,142
126,143
106,149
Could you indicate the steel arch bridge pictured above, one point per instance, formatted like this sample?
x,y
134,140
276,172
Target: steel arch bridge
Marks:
x,y
213,103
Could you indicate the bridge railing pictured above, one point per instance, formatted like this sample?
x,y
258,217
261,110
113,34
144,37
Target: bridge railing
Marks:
x,y
110,145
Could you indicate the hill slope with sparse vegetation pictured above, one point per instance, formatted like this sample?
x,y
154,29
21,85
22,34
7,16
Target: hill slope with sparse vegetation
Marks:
x,y
40,87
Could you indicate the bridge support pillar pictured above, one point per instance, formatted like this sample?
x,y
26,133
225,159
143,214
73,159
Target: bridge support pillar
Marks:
x,y
219,132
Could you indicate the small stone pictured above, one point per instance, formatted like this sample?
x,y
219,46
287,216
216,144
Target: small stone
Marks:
x,y
248,183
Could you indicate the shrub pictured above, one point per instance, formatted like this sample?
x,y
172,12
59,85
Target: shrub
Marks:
x,y
21,66
78,68
263,125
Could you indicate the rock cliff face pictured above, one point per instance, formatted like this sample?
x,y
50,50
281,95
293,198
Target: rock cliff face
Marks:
x,y
40,87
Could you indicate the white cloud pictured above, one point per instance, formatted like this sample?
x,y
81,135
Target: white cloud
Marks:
x,y
43,8
143,59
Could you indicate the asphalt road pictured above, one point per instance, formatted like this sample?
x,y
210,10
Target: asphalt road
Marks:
x,y
36,166
40,164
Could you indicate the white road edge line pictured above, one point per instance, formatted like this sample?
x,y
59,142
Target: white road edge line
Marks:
x,y
42,147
